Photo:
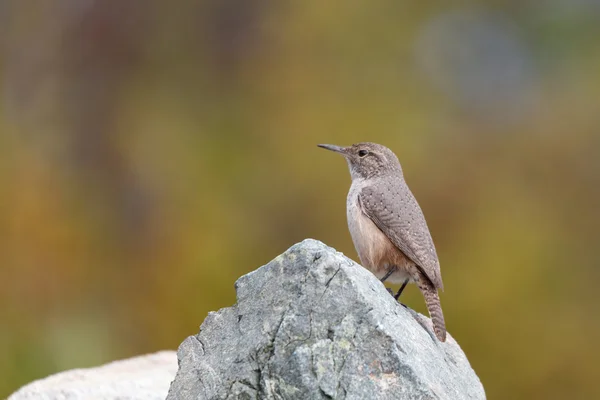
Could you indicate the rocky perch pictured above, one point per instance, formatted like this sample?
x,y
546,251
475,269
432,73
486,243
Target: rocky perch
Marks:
x,y
312,324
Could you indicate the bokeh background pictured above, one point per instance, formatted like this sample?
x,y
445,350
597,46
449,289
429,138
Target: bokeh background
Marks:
x,y
152,152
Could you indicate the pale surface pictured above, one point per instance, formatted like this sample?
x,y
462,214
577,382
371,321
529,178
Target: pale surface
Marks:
x,y
143,377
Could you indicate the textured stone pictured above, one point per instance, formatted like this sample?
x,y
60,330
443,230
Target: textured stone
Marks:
x,y
143,377
312,324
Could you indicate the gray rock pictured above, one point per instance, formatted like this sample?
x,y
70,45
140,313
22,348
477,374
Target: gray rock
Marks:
x,y
143,377
312,324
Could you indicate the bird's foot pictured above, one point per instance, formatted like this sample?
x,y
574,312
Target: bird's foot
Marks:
x,y
391,292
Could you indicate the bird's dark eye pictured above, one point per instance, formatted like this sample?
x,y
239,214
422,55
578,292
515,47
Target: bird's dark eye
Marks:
x,y
362,153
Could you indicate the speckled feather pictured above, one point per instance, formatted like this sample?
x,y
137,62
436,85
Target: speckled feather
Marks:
x,y
388,227
390,204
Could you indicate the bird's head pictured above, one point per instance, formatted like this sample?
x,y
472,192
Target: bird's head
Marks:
x,y
367,160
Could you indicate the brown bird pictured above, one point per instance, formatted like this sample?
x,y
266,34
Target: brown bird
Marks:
x,y
388,227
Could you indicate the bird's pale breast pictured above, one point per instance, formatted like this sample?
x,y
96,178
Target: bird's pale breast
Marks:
x,y
376,252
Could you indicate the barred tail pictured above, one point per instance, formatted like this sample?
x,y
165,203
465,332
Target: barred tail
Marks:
x,y
432,300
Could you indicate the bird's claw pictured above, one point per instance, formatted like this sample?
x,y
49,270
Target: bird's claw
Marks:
x,y
391,292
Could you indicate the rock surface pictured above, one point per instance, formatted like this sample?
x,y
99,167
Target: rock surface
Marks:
x,y
143,377
312,324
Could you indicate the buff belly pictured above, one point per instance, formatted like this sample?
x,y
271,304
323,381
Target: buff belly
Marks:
x,y
376,252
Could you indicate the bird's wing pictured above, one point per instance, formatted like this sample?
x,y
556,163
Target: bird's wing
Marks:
x,y
392,207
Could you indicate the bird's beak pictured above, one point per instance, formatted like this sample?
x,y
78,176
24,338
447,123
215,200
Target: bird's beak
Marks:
x,y
337,149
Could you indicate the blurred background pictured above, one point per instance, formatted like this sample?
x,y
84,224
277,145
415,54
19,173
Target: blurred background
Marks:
x,y
152,152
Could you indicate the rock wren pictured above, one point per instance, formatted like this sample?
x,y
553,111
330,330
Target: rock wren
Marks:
x,y
388,227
